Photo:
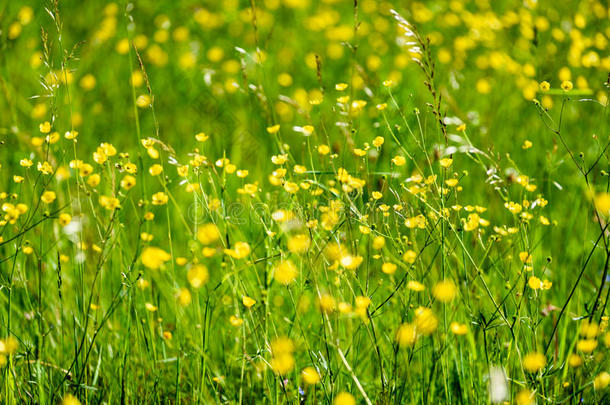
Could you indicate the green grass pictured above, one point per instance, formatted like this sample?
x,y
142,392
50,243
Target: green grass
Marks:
x,y
248,265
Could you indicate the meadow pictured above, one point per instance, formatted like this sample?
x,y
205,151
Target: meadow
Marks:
x,y
304,201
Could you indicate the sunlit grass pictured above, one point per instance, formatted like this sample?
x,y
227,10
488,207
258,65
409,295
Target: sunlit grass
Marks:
x,y
299,201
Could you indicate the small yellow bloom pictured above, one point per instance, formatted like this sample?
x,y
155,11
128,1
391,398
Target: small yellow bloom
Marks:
x,y
160,198
458,328
378,141
310,376
247,301
534,362
389,268
154,257
299,243
344,398
198,275
409,256
415,286
399,160
201,137
48,197
235,321
575,360
534,283
406,335
425,321
64,219
128,182
70,400
45,127
446,162
155,169
208,233
525,397
445,291
601,381
567,85
323,149
285,272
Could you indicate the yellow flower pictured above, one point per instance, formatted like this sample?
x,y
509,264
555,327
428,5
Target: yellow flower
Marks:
x,y
444,291
425,321
128,182
589,329
143,101
282,362
154,257
567,85
327,303
525,257
310,376
208,233
602,203
201,137
64,219
155,169
273,129
409,256
94,180
378,242
406,335
446,162
458,328
70,400
527,144
235,321
545,86
323,149
575,360
239,251
344,398
399,160
71,135
285,272
299,243
525,397
378,141
586,345
534,362
109,203
160,198
534,283
183,171
601,381
48,197
25,163
415,286
247,301
184,297
198,275
45,127
389,268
